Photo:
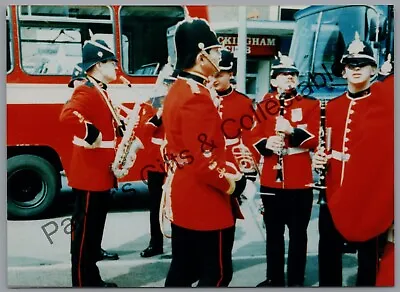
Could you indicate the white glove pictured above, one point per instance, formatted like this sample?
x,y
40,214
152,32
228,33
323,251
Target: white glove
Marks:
x,y
387,66
320,159
283,125
275,143
159,112
250,190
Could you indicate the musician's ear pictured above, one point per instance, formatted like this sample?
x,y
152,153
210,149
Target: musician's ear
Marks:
x,y
296,80
373,70
274,83
344,74
199,59
97,66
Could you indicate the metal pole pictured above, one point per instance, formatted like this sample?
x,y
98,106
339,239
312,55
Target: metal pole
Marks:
x,y
242,50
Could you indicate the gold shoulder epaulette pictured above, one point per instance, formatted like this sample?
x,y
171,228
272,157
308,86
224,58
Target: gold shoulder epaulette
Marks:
x,y
193,86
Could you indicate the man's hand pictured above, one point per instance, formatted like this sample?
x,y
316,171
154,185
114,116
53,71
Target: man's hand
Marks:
x,y
275,143
387,66
283,125
319,160
240,185
97,142
159,112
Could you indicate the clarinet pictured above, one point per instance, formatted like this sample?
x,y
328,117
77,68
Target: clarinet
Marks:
x,y
324,143
279,165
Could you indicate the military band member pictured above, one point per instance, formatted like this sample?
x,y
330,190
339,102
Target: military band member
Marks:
x,y
78,77
200,183
284,137
151,132
368,203
347,116
90,175
236,110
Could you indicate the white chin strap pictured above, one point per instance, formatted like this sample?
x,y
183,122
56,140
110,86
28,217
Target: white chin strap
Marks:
x,y
207,56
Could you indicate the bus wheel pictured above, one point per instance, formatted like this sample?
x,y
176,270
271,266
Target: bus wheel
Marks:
x,y
31,186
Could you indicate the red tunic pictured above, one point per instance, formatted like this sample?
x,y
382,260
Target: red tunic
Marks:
x,y
236,111
304,114
360,128
89,169
150,131
198,191
363,206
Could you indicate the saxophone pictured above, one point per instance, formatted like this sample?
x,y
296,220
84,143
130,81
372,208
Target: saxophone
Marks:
x,y
130,144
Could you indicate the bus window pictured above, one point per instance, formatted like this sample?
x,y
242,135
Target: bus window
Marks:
x,y
9,44
51,37
144,37
337,31
319,41
303,41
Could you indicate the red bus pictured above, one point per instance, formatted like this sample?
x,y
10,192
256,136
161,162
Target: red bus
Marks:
x,y
43,45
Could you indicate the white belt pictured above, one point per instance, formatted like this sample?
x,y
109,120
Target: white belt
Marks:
x,y
157,141
229,142
340,155
293,150
103,144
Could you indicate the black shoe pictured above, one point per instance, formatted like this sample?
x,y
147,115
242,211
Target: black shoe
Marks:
x,y
104,255
107,284
151,251
270,283
295,285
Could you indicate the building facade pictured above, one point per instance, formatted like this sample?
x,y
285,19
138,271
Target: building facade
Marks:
x,y
269,30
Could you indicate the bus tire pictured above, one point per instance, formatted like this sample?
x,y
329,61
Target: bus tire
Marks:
x,y
31,186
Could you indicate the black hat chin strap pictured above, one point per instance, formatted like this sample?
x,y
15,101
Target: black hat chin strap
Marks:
x,y
207,56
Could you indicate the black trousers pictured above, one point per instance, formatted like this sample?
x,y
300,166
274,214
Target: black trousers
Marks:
x,y
201,255
87,225
291,208
330,249
155,182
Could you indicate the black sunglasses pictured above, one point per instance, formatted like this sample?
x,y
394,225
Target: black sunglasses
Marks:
x,y
352,66
289,73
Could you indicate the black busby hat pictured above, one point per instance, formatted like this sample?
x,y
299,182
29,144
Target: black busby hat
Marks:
x,y
95,51
192,36
282,64
359,53
77,74
227,62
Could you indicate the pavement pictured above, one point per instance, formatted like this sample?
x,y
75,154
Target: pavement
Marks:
x,y
37,260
